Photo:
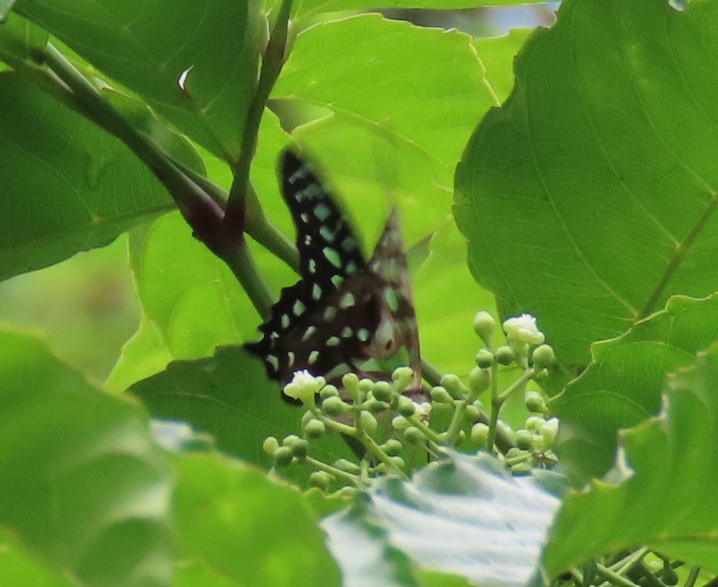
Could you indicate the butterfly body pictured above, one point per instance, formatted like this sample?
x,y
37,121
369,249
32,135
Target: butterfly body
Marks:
x,y
346,313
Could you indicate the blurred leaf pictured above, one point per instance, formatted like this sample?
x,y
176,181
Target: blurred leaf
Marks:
x,y
86,306
147,47
622,386
364,71
19,566
363,552
306,7
247,529
661,492
83,484
142,356
446,299
228,396
588,198
463,515
67,185
19,38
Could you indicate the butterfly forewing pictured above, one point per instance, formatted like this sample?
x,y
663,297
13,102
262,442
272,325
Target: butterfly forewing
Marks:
x,y
345,314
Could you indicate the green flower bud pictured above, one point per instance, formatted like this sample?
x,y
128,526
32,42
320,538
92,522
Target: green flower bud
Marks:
x,y
440,395
403,377
321,480
314,429
398,462
480,434
521,468
484,325
400,423
350,382
484,359
306,416
374,406
413,435
270,445
535,402
471,413
328,391
543,356
505,355
368,422
300,448
282,456
534,423
365,386
453,385
382,391
479,380
524,439
346,466
406,407
290,439
515,452
335,406
392,447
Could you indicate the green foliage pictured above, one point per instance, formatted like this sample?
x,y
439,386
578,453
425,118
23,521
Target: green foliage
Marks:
x,y
665,500
586,194
599,154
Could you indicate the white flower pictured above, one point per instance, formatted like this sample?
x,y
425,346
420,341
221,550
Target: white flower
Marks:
x,y
522,329
304,386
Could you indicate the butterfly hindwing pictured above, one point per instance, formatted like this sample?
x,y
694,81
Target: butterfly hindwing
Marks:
x,y
345,314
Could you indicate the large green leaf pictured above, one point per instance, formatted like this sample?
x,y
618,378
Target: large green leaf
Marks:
x,y
147,46
20,566
622,387
83,484
67,186
237,527
588,198
391,87
462,515
661,494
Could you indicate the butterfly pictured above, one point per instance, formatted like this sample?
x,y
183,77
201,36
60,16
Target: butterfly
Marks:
x,y
346,314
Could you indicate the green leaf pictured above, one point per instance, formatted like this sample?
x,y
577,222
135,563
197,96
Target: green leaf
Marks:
x,y
94,503
147,47
228,396
446,299
243,527
462,515
363,70
20,566
588,198
306,7
142,356
19,38
661,494
622,386
67,185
